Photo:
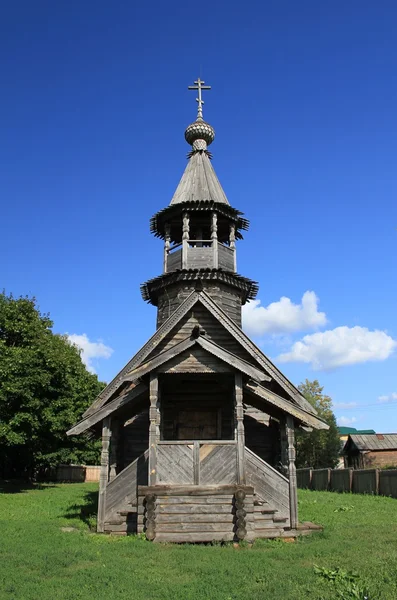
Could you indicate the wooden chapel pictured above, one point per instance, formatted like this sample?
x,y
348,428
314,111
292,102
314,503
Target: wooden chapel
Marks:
x,y
198,428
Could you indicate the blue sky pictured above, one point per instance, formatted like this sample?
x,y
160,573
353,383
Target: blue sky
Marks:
x,y
94,104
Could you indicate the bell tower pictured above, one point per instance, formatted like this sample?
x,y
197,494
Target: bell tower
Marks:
x,y
200,230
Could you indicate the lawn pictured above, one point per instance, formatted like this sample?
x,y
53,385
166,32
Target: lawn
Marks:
x,y
40,561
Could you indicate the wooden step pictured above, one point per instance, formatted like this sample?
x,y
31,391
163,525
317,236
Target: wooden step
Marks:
x,y
218,499
190,518
262,510
279,519
193,490
196,537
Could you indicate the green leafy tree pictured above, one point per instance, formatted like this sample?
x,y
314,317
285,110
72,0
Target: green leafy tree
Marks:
x,y
318,448
44,390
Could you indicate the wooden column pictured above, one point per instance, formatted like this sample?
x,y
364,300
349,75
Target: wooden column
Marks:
x,y
240,434
214,239
114,443
293,494
185,238
104,476
167,246
154,427
284,447
232,242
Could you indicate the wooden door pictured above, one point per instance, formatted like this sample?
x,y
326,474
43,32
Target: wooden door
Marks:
x,y
197,425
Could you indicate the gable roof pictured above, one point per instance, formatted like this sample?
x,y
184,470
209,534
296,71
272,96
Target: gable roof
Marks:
x,y
377,441
230,326
199,182
252,386
177,349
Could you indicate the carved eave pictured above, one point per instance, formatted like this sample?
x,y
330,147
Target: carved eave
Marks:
x,y
172,216
154,287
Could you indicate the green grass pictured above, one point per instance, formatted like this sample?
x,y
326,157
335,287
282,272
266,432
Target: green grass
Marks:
x,y
38,561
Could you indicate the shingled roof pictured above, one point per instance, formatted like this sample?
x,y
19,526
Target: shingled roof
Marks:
x,y
199,182
377,441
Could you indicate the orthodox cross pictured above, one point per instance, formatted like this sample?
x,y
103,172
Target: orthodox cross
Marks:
x,y
199,85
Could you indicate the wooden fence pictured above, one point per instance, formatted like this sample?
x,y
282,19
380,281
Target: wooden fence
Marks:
x,y
76,473
363,481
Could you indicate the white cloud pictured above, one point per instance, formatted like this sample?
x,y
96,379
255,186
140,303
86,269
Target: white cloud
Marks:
x,y
339,347
346,421
344,405
390,398
89,350
283,316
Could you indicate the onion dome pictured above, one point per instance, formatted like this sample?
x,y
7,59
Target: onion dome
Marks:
x,y
199,135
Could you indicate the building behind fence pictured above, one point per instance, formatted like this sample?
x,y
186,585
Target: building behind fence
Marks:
x,y
363,481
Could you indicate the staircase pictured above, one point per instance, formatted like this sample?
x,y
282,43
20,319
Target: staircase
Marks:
x,y
267,520
196,513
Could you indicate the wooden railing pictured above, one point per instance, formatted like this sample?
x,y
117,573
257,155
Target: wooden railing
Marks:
x,y
121,492
200,254
212,462
270,485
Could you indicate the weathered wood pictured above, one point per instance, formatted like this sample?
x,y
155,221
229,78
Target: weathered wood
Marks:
x,y
121,493
269,484
175,464
214,238
114,441
107,410
224,322
190,527
293,488
232,360
195,537
158,360
240,436
193,490
218,464
214,508
154,427
186,500
103,481
232,242
195,360
185,238
196,463
284,405
166,246
187,518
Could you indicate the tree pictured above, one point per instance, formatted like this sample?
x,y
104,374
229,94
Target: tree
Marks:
x,y
44,390
318,448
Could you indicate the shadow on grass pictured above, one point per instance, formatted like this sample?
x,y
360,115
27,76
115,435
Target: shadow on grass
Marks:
x,y
86,511
19,486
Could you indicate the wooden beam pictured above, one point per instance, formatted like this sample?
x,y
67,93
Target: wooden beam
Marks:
x,y
214,238
293,488
232,243
103,481
146,349
285,405
154,427
160,359
166,246
233,360
114,443
108,409
240,433
185,238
